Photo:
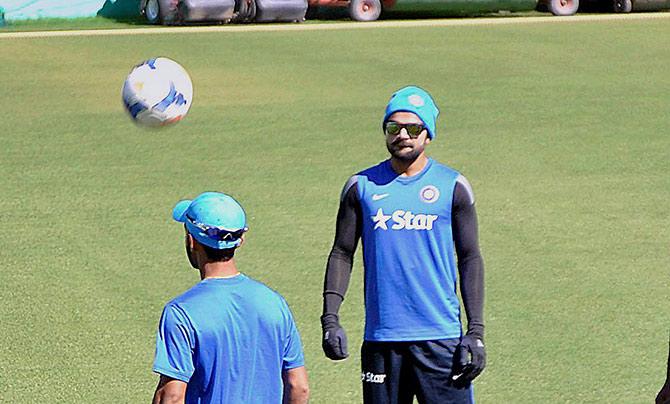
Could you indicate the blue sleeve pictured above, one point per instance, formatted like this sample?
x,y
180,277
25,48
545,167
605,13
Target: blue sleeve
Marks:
x,y
293,355
174,345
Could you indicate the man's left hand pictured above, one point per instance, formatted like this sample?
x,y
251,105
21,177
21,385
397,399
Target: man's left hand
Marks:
x,y
470,360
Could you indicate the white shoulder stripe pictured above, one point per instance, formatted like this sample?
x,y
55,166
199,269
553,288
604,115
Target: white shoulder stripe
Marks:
x,y
463,181
350,183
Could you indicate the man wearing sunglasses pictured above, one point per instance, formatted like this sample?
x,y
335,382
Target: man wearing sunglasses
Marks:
x,y
228,339
414,216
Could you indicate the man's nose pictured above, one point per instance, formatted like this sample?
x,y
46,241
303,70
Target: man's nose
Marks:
x,y
403,132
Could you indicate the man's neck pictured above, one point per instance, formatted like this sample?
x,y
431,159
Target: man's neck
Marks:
x,y
409,167
219,269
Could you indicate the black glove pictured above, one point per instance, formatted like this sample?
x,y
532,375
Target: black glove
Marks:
x,y
334,341
470,360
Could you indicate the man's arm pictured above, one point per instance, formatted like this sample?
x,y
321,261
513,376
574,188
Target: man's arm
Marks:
x,y
338,270
471,352
173,356
169,391
470,262
296,386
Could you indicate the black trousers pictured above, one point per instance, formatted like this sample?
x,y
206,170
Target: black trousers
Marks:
x,y
396,372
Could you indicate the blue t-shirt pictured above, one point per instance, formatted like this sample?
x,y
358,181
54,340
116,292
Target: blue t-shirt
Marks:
x,y
408,253
229,339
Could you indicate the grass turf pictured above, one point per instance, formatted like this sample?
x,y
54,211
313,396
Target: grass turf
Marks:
x,y
560,128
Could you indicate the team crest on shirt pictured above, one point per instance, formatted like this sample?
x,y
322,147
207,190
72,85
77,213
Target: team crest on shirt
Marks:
x,y
429,194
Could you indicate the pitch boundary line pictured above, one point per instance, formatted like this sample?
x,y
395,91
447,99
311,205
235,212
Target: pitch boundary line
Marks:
x,y
286,27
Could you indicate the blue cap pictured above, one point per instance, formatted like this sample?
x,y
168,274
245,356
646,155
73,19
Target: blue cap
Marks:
x,y
415,100
214,219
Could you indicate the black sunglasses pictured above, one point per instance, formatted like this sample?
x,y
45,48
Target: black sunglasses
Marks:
x,y
392,128
218,233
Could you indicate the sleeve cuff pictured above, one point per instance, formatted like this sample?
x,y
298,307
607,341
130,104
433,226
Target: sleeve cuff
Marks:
x,y
173,374
293,365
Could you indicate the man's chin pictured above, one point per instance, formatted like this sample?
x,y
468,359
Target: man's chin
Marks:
x,y
410,155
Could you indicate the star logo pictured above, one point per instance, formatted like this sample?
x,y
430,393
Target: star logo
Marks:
x,y
380,220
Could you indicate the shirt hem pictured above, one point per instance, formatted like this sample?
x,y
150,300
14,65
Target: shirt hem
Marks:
x,y
412,337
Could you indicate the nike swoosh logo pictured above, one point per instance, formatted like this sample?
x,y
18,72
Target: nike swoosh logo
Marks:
x,y
376,197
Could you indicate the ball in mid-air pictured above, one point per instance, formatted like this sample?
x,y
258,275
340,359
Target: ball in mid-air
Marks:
x,y
157,92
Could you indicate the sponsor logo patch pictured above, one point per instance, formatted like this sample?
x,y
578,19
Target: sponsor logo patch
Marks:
x,y
369,377
403,220
416,100
376,197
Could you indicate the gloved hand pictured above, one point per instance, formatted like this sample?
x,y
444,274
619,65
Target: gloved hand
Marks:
x,y
469,362
663,396
334,341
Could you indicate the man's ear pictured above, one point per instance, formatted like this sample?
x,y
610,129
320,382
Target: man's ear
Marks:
x,y
427,139
190,241
242,239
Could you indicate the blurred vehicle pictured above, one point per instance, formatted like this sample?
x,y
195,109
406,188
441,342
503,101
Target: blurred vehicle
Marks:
x,y
225,11
171,12
626,6
370,10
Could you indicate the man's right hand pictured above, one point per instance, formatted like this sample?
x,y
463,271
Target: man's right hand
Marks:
x,y
471,360
334,341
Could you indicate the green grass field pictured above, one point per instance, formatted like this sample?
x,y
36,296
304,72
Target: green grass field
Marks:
x,y
562,129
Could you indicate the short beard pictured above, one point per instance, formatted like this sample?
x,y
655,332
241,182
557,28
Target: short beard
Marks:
x,y
405,157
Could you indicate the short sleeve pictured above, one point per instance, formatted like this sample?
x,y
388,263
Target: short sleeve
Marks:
x,y
293,354
174,345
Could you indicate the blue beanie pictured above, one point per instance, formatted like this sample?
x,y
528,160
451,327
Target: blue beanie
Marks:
x,y
415,100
